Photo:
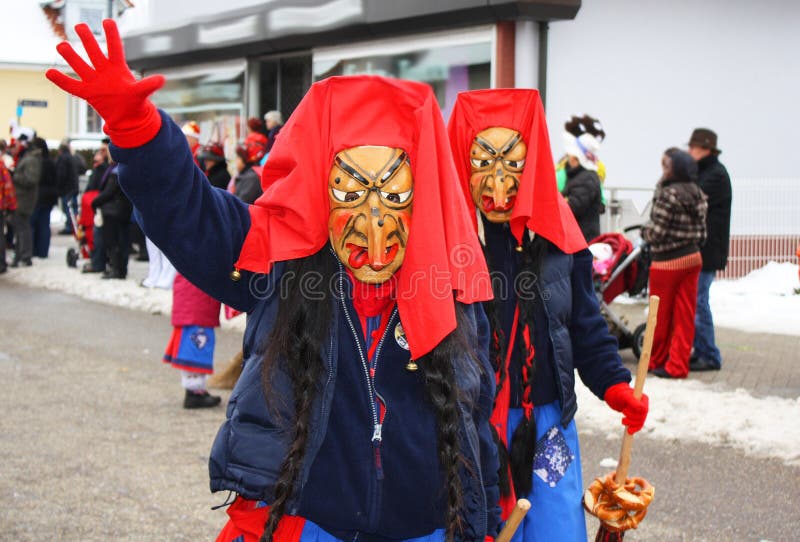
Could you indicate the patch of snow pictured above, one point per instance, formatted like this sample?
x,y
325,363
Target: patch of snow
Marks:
x,y
690,410
52,273
763,301
608,463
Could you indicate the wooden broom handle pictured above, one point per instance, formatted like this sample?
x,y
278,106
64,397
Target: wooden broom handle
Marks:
x,y
513,521
641,374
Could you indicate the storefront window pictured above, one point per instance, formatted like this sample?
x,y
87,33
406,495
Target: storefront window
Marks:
x,y
447,68
212,96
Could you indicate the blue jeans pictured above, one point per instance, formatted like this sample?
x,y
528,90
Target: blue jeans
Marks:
x,y
40,225
704,345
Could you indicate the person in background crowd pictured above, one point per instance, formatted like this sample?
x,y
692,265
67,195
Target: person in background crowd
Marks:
x,y
577,125
192,132
675,232
256,132
195,314
582,188
212,159
713,179
248,181
8,204
274,122
46,200
115,209
5,156
27,174
100,166
67,182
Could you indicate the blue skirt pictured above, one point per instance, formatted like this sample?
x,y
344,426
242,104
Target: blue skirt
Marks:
x,y
556,498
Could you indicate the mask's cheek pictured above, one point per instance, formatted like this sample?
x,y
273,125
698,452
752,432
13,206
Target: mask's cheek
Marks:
x,y
476,186
337,222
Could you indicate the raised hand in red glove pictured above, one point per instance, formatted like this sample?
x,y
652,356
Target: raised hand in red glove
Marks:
x,y
110,87
620,398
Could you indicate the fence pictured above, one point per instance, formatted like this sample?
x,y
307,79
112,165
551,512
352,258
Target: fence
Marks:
x,y
765,220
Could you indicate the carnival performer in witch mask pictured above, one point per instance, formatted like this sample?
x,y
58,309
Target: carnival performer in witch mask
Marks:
x,y
363,407
545,317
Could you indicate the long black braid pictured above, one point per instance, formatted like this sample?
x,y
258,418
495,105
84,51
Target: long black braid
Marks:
x,y
440,384
522,446
296,345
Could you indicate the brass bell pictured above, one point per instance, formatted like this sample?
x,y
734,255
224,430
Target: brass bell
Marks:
x,y
411,365
235,275
518,248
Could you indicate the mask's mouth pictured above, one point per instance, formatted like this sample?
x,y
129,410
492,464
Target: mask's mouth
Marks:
x,y
489,205
359,256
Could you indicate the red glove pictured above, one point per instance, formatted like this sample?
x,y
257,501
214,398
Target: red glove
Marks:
x,y
110,87
620,398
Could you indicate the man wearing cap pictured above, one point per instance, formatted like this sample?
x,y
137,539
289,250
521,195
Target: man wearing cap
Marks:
x,y
716,184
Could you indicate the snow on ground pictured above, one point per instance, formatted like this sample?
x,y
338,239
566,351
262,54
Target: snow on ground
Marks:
x,y
761,302
53,274
694,411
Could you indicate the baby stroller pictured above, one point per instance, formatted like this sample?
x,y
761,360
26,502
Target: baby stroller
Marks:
x,y
83,229
620,267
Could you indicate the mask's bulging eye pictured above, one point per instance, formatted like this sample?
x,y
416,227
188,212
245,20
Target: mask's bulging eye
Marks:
x,y
479,163
516,164
347,196
402,197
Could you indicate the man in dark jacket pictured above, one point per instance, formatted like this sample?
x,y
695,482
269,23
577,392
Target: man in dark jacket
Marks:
x,y
716,184
67,182
116,210
26,177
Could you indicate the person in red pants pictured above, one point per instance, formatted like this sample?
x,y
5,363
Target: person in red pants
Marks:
x,y
675,232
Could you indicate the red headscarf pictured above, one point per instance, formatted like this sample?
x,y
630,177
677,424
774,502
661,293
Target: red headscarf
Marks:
x,y
539,206
290,220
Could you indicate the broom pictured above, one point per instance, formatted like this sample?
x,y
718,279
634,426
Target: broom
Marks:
x,y
226,378
619,502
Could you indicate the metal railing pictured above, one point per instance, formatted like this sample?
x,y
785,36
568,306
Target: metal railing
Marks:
x,y
765,220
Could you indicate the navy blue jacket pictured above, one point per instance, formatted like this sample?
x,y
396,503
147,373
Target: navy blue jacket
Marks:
x,y
201,230
569,331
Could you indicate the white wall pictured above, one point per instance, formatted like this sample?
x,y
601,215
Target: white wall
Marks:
x,y
652,70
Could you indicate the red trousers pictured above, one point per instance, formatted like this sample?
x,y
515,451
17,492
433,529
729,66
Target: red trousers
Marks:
x,y
675,282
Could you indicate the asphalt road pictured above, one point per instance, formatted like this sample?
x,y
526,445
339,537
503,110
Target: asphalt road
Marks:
x,y
95,444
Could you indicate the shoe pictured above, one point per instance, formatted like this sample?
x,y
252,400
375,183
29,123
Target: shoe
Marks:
x,y
87,268
65,232
661,372
698,364
201,399
111,275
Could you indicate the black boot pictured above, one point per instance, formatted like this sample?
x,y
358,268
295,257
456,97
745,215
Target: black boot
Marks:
x,y
200,399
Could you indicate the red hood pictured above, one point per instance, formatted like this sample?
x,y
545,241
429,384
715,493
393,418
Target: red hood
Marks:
x,y
539,207
290,220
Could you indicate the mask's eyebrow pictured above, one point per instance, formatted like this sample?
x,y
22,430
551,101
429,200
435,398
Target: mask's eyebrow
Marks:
x,y
486,146
350,170
394,167
510,145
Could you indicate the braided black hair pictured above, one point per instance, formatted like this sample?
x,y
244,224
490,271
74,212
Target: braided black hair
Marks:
x,y
296,345
521,448
440,383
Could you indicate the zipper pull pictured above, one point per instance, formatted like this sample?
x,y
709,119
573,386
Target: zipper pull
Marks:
x,y
376,444
376,433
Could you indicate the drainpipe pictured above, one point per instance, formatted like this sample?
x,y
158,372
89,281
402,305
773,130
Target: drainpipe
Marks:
x,y
543,29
